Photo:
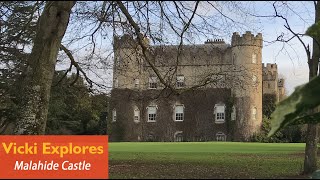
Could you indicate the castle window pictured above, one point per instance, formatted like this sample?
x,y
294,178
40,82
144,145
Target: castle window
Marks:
x,y
153,82
233,114
254,58
254,113
136,117
219,111
152,113
254,79
180,81
178,137
269,85
136,83
179,112
116,83
220,136
114,115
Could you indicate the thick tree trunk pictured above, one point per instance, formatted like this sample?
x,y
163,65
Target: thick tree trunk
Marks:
x,y
36,87
310,161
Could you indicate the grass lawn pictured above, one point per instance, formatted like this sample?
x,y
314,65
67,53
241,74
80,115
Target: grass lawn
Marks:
x,y
205,160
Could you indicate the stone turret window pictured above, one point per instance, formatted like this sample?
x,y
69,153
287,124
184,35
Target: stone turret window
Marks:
x,y
254,58
254,113
114,115
233,114
219,111
152,82
254,80
179,113
136,113
152,113
220,136
180,81
136,83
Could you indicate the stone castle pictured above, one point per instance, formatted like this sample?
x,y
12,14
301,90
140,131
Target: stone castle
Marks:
x,y
221,87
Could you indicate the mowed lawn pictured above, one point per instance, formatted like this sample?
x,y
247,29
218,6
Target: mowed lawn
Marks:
x,y
205,160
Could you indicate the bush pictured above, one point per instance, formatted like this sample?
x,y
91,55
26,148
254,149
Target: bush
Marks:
x,y
292,134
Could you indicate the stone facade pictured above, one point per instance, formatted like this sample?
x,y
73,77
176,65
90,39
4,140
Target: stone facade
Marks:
x,y
272,84
226,105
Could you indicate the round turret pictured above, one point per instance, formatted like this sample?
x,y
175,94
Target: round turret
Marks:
x,y
247,56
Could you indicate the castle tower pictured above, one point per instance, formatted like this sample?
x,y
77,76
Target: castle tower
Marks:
x,y
247,58
270,80
127,67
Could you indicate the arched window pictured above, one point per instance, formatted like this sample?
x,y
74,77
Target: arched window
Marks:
x,y
136,115
219,111
150,137
179,112
254,113
180,81
152,82
178,137
152,113
114,115
220,136
233,113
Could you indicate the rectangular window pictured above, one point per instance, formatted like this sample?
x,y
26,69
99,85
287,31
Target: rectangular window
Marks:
x,y
219,113
136,117
179,112
254,113
254,58
180,81
136,83
114,115
152,117
220,116
233,114
152,113
153,82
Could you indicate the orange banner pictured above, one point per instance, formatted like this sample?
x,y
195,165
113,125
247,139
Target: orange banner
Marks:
x,y
54,157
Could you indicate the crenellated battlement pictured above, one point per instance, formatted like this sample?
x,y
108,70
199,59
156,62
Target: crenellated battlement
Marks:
x,y
270,71
270,67
246,39
124,41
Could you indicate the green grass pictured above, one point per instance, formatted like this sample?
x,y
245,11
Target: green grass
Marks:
x,y
205,160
